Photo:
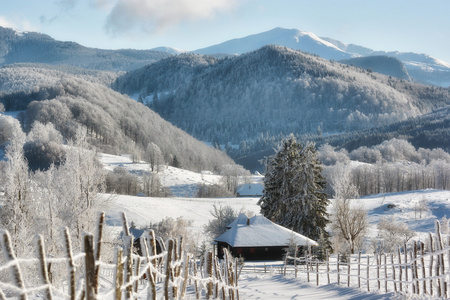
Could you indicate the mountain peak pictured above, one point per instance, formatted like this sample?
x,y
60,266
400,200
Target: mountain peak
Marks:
x,y
291,38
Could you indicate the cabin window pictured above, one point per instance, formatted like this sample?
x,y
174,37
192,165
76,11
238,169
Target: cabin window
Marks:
x,y
252,250
266,249
239,250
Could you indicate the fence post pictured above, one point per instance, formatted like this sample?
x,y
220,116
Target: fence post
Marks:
x,y
236,277
307,265
174,269
393,272
197,292
338,271
101,222
385,273
71,263
151,293
218,275
168,270
295,261
209,292
118,277
231,278
438,267
349,261
89,265
440,244
400,269
406,266
136,274
328,266
359,269
378,270
185,275
43,267
368,271
413,273
317,273
285,264
424,275
416,268
431,263
128,270
10,257
153,252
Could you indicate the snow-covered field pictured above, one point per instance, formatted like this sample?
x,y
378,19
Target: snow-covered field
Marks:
x,y
405,206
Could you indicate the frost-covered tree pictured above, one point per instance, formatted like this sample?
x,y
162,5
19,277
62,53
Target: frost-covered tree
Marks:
x,y
154,156
293,193
17,212
231,176
222,217
81,179
394,233
349,220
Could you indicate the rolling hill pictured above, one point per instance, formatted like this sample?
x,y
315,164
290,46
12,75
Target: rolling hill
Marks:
x,y
115,123
33,47
274,90
421,67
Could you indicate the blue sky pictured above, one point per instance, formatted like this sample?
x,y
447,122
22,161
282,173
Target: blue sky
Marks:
x,y
401,25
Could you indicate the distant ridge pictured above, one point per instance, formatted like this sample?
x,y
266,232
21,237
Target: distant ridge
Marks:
x,y
420,67
381,64
33,47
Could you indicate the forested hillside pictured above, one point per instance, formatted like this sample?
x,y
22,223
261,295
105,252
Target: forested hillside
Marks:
x,y
115,123
381,64
32,47
274,90
429,131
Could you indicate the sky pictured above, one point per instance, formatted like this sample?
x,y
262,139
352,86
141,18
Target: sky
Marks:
x,y
420,26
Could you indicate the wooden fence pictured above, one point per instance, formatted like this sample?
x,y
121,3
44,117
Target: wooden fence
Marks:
x,y
423,269
171,274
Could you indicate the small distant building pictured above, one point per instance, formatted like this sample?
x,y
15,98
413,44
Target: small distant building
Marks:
x,y
258,238
250,190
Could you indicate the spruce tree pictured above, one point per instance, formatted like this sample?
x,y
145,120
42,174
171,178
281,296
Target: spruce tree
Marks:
x,y
293,193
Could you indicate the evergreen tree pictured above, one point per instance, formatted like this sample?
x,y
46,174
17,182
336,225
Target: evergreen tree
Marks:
x,y
293,190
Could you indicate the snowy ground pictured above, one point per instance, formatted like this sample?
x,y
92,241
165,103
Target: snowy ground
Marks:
x,y
143,210
281,287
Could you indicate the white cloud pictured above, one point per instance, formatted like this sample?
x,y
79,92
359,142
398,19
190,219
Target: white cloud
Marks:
x,y
6,23
66,5
18,24
155,15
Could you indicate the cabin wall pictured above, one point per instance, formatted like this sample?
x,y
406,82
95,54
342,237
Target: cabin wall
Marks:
x,y
253,253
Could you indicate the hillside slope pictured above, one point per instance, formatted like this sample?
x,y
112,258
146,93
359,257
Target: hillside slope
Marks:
x,y
32,47
381,64
421,67
274,90
115,123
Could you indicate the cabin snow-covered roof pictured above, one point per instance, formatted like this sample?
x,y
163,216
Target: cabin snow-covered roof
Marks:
x,y
259,231
250,189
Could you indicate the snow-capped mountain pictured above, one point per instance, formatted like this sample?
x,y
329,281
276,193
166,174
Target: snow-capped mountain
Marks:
x,y
291,38
421,67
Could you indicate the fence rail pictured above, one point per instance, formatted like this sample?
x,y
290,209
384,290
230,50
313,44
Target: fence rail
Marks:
x,y
423,269
170,274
